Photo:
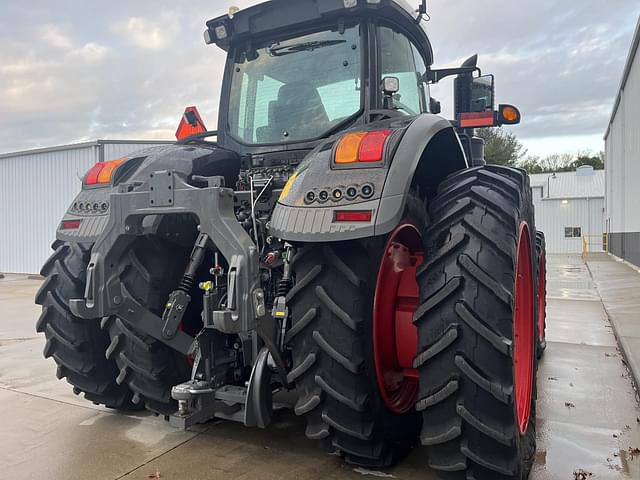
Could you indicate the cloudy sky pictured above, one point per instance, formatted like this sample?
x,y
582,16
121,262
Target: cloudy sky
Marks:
x,y
77,70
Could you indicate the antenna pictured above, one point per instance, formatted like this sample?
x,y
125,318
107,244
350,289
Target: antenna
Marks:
x,y
422,12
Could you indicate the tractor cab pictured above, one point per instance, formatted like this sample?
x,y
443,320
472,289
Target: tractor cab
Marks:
x,y
309,69
300,72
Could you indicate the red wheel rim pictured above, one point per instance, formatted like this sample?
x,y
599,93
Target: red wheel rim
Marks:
x,y
395,337
523,329
542,293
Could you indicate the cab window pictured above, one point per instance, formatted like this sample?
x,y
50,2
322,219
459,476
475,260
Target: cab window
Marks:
x,y
401,59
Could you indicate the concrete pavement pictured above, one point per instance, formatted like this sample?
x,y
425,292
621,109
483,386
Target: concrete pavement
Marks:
x,y
587,411
618,285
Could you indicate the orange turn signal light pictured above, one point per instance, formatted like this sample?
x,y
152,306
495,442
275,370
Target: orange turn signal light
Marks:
x,y
348,148
102,172
508,115
362,147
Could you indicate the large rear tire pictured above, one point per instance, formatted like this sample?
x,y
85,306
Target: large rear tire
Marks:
x,y
150,270
334,353
476,327
77,345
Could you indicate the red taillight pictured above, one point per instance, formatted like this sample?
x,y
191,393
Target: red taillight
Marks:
x,y
477,119
70,224
91,178
352,216
102,172
372,146
362,147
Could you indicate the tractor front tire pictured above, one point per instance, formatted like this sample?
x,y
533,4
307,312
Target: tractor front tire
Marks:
x,y
476,325
77,345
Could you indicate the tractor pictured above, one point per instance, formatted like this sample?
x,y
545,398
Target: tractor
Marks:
x,y
336,247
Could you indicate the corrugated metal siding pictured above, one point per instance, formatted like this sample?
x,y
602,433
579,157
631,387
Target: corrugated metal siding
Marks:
x,y
552,216
35,191
570,184
623,154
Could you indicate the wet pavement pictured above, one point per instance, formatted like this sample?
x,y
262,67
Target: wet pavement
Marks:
x,y
587,410
618,284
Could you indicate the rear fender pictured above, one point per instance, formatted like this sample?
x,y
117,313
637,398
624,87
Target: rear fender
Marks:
x,y
428,151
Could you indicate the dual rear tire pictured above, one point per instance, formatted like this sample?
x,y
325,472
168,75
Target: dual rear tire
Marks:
x,y
476,335
107,359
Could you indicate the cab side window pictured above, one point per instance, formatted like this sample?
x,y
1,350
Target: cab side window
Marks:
x,y
401,59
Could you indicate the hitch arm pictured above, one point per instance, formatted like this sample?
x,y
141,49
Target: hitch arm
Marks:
x,y
179,299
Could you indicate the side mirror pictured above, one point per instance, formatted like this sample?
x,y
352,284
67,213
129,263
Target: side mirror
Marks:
x,y
483,93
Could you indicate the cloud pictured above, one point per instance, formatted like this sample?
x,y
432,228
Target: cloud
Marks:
x,y
92,52
71,71
147,34
55,36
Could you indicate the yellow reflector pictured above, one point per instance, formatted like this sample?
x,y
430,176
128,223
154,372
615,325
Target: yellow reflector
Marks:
x,y
107,171
347,151
287,187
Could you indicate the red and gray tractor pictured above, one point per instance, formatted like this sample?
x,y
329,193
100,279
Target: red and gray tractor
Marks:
x,y
336,247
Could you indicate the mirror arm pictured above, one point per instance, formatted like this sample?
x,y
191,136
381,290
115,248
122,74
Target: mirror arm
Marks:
x,y
434,76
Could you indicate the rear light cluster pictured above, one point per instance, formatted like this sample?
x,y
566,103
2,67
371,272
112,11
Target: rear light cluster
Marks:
x,y
79,208
339,193
366,147
102,172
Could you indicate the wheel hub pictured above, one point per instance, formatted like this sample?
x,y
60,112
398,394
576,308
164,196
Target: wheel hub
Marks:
x,y
395,337
523,330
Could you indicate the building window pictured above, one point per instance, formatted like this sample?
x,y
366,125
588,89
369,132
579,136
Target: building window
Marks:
x,y
572,232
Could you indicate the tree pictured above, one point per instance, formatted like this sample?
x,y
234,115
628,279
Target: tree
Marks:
x,y
596,161
562,162
532,165
501,146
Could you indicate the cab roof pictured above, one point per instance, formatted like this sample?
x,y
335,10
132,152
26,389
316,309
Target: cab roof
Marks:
x,y
281,17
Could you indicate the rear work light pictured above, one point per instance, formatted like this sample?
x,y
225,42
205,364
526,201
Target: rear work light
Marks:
x,y
352,216
364,147
102,172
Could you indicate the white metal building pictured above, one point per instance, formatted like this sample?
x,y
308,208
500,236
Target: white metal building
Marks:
x,y
36,188
570,206
622,162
